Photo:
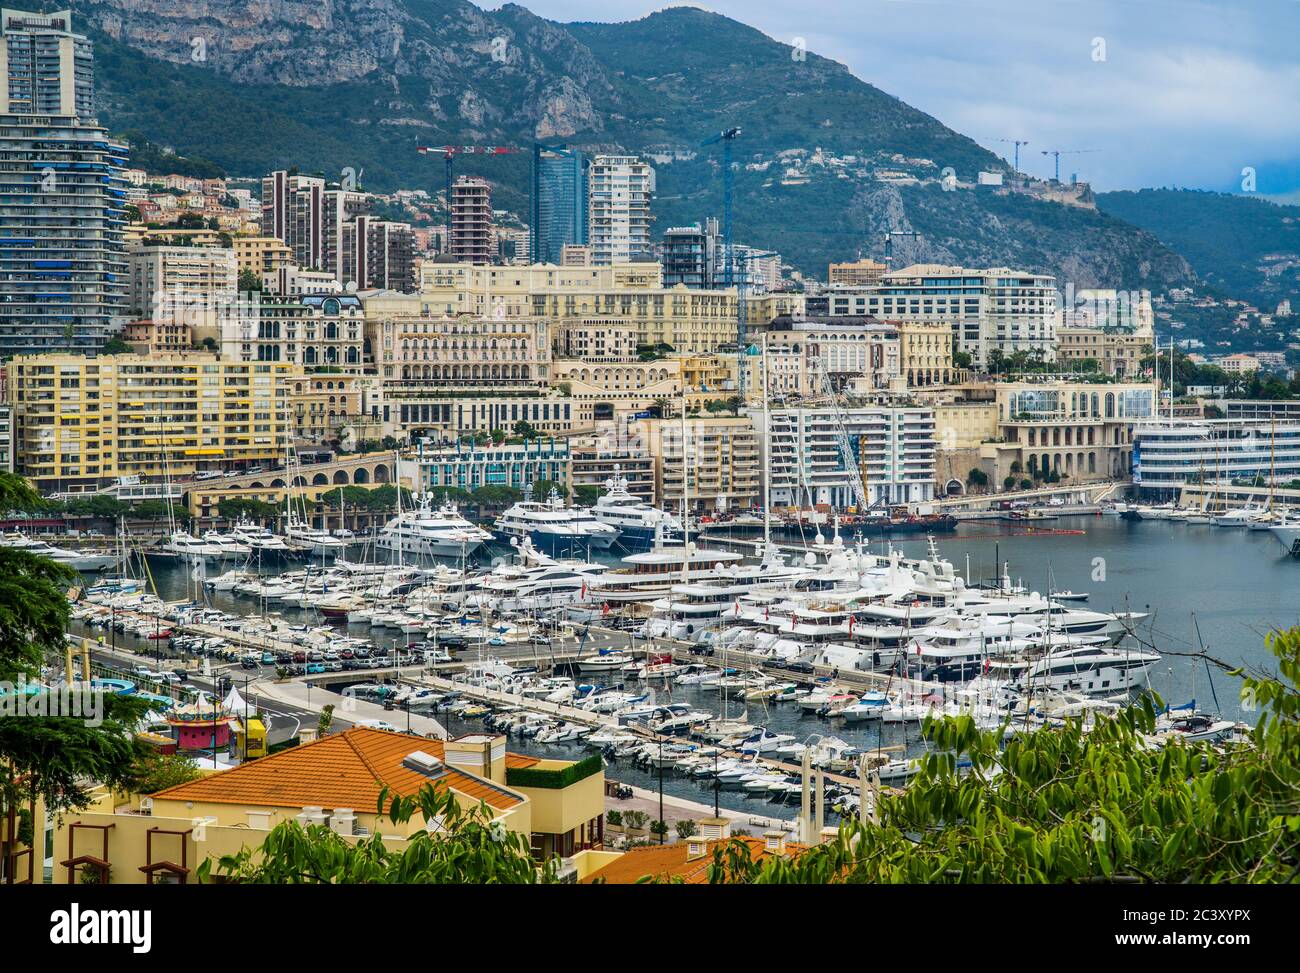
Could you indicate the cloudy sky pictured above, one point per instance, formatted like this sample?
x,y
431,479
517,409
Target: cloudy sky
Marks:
x,y
1164,92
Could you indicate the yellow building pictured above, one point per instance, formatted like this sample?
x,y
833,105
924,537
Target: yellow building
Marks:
x,y
335,781
925,353
722,459
262,255
690,321
859,273
322,405
1116,352
80,423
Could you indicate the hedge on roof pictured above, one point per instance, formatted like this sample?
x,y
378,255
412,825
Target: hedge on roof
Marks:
x,y
554,779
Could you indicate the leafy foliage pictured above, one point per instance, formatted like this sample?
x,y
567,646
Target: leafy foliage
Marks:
x,y
466,845
1065,805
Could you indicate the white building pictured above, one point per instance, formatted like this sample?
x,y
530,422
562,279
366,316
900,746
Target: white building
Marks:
x,y
1168,454
194,286
997,308
813,454
620,188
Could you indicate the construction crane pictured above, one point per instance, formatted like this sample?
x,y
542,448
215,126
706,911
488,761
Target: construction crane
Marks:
x,y
889,244
1057,153
726,137
449,153
1017,143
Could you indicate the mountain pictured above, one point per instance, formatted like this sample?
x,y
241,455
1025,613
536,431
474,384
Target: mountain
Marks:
x,y
826,163
1244,246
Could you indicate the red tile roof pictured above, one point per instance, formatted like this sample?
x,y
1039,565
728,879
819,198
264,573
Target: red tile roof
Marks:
x,y
342,770
669,863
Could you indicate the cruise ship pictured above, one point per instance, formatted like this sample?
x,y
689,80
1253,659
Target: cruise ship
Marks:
x,y
554,528
432,532
640,525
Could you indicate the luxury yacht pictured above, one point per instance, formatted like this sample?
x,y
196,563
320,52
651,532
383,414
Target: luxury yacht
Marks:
x,y
640,525
79,560
554,528
313,540
440,532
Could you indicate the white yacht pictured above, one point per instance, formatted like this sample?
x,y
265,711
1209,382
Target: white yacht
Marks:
x,y
543,583
1092,669
1287,531
432,532
190,548
260,541
78,560
652,574
314,541
640,525
554,528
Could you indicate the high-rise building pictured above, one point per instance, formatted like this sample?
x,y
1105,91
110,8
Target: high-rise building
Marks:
x,y
47,69
63,277
559,202
471,220
620,188
378,255
192,286
689,254
293,209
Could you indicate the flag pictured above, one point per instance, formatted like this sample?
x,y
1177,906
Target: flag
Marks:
x,y
767,614
850,624
584,590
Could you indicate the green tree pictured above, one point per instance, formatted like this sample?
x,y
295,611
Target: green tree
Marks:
x,y
526,430
686,828
52,758
115,346
977,477
157,771
250,280
325,720
1067,804
586,494
466,846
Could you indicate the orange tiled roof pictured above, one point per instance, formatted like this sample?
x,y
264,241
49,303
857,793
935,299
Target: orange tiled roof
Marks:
x,y
343,770
668,862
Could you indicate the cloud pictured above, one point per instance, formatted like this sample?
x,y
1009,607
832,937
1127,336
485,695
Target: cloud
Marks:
x,y
1188,93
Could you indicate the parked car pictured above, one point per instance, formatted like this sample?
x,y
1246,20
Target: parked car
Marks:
x,y
300,656
315,668
377,725
806,668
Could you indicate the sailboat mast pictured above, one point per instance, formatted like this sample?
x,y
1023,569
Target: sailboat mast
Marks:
x,y
686,507
767,445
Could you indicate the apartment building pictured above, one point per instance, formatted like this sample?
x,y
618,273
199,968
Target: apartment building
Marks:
x,y
858,273
925,354
81,423
620,188
192,286
595,458
322,405
559,202
1116,352
814,454
45,67
265,256
458,353
841,350
602,392
688,321
722,461
994,309
471,220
